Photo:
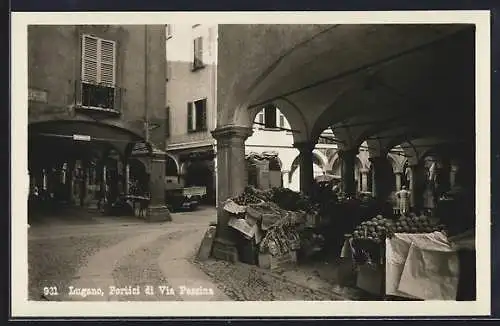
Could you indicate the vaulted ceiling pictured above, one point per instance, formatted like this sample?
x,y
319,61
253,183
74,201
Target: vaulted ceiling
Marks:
x,y
384,84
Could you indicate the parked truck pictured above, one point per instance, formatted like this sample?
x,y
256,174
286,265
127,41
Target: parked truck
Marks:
x,y
179,198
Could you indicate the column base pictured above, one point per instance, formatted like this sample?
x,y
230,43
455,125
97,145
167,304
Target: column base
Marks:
x,y
225,249
158,214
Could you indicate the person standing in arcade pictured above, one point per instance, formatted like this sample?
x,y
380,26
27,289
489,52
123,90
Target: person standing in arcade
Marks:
x,y
404,200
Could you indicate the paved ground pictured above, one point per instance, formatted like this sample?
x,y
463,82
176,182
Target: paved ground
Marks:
x,y
129,260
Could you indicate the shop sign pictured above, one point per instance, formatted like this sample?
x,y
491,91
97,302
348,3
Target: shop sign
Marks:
x,y
81,137
36,95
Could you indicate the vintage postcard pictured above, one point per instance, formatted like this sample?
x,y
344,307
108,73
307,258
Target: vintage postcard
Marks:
x,y
261,164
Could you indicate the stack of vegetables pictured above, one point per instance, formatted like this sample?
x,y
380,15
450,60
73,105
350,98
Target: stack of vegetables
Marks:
x,y
249,196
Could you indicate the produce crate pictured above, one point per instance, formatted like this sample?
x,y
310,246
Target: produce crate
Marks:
x,y
268,261
247,251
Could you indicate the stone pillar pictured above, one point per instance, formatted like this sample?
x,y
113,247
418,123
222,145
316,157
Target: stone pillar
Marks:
x,y
378,176
71,177
453,175
348,159
127,178
231,170
306,166
104,183
157,210
364,179
413,185
399,176
284,178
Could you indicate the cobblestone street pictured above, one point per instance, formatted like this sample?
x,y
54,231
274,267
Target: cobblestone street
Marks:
x,y
129,254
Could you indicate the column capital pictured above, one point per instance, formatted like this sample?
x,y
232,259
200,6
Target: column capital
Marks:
x,y
231,131
304,146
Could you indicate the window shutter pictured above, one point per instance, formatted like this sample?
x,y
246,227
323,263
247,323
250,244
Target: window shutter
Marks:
x,y
108,62
261,117
167,122
195,52
190,116
90,59
203,115
200,50
282,121
270,116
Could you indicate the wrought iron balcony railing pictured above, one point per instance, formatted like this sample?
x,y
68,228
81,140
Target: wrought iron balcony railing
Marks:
x,y
98,97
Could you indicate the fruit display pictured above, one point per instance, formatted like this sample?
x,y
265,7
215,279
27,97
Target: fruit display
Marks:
x,y
379,228
376,229
416,224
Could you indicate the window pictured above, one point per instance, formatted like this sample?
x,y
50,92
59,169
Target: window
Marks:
x,y
282,121
197,116
261,117
168,31
98,72
167,122
198,53
270,116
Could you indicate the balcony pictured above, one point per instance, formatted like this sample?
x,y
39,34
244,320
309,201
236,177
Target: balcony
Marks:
x,y
98,98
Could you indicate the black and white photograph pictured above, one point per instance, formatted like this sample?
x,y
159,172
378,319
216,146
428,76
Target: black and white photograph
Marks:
x,y
306,162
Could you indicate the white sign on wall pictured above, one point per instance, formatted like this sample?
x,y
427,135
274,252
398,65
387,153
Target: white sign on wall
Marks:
x,y
36,95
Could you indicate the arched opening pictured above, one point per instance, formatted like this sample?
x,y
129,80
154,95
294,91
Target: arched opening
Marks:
x,y
171,171
138,177
294,176
89,155
272,141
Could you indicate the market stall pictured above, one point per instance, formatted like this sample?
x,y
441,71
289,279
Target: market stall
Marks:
x,y
411,258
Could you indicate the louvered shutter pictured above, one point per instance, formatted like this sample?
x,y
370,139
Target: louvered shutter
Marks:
x,y
190,116
167,122
107,67
201,114
200,50
90,59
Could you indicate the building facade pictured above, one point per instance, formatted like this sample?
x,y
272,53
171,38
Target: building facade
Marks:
x,y
96,93
191,52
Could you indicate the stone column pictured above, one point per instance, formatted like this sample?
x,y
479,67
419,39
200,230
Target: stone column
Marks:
x,y
453,175
399,176
306,166
413,185
364,179
284,178
231,171
157,210
378,175
348,159
71,176
127,178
